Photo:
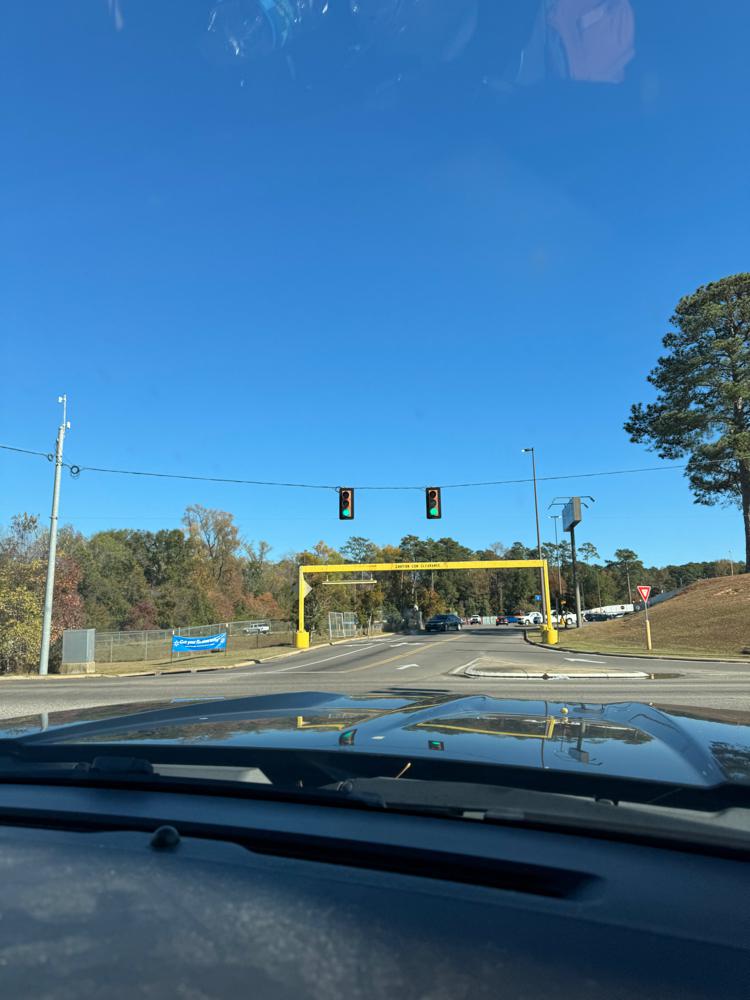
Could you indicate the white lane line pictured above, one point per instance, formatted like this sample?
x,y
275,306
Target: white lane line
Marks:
x,y
394,644
407,665
310,663
578,659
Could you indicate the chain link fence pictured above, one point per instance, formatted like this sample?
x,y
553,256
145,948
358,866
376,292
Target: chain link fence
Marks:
x,y
156,644
342,624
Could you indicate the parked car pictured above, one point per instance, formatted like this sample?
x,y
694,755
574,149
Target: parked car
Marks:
x,y
256,628
475,620
501,620
443,623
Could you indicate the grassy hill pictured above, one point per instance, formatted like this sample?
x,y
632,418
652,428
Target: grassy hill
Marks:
x,y
708,618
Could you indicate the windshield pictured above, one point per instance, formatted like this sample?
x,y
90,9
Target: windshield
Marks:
x,y
291,281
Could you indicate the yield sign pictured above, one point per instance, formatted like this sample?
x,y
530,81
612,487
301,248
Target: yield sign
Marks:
x,y
645,593
306,588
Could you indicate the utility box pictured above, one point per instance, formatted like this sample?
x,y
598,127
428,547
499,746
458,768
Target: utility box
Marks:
x,y
78,651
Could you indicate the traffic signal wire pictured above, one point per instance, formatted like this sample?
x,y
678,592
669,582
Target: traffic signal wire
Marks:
x,y
76,470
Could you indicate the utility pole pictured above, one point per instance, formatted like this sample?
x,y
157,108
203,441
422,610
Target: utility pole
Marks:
x,y
545,609
627,574
50,585
577,589
555,518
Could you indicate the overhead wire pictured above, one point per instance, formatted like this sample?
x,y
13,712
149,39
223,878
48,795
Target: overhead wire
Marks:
x,y
75,470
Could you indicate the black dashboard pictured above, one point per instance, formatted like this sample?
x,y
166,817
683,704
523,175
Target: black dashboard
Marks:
x,y
277,899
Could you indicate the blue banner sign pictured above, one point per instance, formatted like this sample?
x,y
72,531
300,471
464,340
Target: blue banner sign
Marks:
x,y
198,643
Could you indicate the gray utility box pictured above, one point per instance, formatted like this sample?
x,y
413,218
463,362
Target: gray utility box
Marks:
x,y
78,651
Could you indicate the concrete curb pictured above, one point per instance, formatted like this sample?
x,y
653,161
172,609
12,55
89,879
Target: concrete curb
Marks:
x,y
635,656
535,675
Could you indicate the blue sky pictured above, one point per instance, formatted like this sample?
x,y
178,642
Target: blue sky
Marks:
x,y
358,261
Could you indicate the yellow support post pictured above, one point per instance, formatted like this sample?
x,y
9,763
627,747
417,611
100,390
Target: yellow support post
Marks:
x,y
549,632
302,638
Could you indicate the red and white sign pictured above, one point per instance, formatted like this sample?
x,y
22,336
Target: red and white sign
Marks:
x,y
645,593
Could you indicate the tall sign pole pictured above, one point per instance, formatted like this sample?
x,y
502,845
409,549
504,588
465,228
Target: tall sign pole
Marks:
x,y
574,565
50,585
545,605
645,593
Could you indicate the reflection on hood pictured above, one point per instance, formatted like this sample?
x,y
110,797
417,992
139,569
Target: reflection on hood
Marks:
x,y
627,739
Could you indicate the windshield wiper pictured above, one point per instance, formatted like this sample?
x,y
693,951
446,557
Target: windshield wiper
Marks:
x,y
646,822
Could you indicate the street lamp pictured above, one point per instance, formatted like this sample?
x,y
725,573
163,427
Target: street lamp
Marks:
x,y
530,451
556,518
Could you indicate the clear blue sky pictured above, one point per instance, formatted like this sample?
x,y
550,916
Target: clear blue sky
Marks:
x,y
362,259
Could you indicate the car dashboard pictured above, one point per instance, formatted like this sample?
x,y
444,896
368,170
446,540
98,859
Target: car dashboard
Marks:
x,y
125,892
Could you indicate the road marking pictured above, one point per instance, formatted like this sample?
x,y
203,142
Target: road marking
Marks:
x,y
460,670
394,644
407,665
396,656
312,663
578,659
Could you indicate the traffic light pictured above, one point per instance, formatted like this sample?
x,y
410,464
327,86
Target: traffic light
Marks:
x,y
346,503
434,505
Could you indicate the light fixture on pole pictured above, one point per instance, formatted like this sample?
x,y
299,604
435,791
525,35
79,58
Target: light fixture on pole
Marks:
x,y
571,517
545,609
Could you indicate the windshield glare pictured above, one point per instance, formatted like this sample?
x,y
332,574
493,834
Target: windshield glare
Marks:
x,y
379,383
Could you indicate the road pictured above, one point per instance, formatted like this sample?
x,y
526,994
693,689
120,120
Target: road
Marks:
x,y
408,662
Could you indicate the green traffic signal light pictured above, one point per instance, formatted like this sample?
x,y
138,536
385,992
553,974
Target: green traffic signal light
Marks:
x,y
346,503
432,498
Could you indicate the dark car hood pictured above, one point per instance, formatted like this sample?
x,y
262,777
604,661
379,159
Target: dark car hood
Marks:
x,y
629,739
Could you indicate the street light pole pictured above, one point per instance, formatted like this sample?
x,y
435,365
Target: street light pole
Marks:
x,y
556,518
545,609
50,584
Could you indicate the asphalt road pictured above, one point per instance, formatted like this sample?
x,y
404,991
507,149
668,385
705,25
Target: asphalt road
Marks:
x,y
424,661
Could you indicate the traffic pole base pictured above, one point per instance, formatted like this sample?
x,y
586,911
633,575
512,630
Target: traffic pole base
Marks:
x,y
302,640
550,636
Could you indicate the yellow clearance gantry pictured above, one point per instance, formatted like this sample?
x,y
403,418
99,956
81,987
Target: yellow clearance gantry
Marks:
x,y
549,634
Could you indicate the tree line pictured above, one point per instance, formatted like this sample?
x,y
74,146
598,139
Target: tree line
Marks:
x,y
205,573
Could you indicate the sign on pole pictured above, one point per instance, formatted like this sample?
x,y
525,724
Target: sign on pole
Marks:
x,y
571,515
645,593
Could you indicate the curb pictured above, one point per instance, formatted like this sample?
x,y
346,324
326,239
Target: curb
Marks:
x,y
558,675
637,656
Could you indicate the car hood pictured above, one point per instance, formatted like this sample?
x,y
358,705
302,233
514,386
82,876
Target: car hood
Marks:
x,y
627,739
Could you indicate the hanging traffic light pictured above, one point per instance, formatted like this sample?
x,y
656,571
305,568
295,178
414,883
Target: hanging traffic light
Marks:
x,y
434,505
346,503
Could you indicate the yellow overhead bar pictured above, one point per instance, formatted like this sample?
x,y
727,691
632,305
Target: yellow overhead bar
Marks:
x,y
549,634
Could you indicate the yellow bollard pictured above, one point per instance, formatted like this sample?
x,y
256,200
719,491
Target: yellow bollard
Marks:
x,y
550,635
302,640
